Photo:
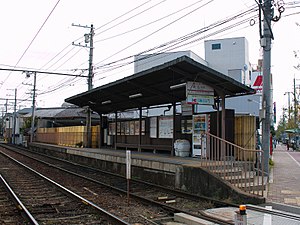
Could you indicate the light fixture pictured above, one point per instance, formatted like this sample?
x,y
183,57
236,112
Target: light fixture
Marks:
x,y
177,86
106,102
136,95
92,103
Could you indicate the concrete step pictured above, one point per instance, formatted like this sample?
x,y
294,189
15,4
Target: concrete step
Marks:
x,y
239,179
191,220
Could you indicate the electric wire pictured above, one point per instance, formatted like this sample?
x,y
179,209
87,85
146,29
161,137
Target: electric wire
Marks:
x,y
179,40
127,57
147,24
183,38
144,11
154,32
126,20
80,38
124,14
131,10
31,42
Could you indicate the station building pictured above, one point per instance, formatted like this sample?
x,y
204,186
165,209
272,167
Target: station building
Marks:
x,y
176,103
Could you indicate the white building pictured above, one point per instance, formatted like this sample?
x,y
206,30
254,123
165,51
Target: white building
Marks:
x,y
144,62
229,56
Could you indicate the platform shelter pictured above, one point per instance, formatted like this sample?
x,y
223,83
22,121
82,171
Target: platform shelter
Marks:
x,y
182,81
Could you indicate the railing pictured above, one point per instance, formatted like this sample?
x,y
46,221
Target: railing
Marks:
x,y
241,167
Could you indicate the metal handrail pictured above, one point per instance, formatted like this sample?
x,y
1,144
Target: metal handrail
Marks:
x,y
242,167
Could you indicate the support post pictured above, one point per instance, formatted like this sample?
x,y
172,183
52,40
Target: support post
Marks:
x,y
90,87
15,119
266,98
116,130
140,129
295,105
33,108
88,39
174,128
222,155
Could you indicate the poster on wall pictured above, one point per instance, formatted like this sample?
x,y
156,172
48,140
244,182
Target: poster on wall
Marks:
x,y
186,126
165,125
137,127
131,132
127,128
119,127
143,127
153,127
122,128
200,125
112,130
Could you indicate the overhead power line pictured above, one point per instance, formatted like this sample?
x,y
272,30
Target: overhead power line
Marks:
x,y
166,46
179,42
150,23
156,31
43,72
32,40
65,48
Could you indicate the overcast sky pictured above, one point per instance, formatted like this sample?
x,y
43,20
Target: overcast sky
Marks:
x,y
39,34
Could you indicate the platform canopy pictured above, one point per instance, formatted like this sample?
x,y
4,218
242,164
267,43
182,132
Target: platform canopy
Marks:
x,y
162,84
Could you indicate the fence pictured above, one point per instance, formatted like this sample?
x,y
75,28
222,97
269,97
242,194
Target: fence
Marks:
x,y
68,136
241,167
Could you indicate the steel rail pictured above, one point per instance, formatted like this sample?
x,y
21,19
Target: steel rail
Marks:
x,y
249,206
19,202
141,198
105,213
273,212
176,192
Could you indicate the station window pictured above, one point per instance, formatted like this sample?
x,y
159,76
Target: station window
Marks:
x,y
216,46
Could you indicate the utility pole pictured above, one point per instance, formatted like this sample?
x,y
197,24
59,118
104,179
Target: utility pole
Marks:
x,y
33,106
6,103
15,118
13,130
289,105
295,105
266,98
88,39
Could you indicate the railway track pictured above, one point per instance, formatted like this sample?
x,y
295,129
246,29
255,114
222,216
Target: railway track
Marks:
x,y
48,202
10,208
166,201
169,200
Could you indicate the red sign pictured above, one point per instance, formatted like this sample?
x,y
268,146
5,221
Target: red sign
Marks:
x,y
257,85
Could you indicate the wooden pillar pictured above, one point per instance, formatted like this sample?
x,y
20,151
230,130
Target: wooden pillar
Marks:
x,y
101,131
223,117
218,116
140,130
223,126
174,128
116,129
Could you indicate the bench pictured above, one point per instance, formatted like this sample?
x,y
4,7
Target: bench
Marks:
x,y
154,148
127,145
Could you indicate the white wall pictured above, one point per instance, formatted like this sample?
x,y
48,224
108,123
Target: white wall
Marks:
x,y
144,62
247,104
231,59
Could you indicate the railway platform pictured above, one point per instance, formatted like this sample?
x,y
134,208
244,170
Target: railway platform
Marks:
x,y
183,173
282,191
282,195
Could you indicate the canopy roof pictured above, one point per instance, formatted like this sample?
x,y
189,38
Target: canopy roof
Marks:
x,y
152,87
